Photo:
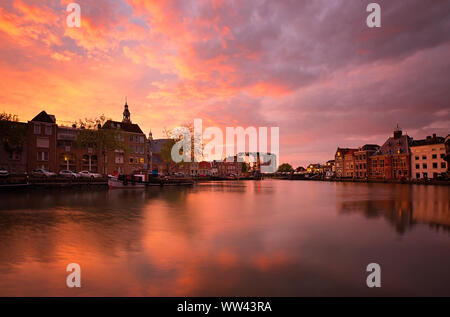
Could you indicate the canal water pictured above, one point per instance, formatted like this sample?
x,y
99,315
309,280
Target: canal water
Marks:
x,y
267,238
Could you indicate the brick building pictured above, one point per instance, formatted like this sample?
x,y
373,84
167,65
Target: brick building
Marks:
x,y
361,156
344,162
134,157
13,152
42,142
392,160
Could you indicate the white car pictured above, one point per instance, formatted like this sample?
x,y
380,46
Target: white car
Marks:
x,y
87,174
40,172
68,174
3,172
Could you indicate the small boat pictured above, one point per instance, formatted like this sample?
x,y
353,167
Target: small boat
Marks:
x,y
115,182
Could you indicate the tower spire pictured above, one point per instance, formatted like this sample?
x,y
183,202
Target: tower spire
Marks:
x,y
126,113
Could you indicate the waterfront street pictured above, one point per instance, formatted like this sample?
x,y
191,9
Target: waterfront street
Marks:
x,y
234,238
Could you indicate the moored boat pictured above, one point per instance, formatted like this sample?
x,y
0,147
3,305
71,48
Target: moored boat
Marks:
x,y
115,182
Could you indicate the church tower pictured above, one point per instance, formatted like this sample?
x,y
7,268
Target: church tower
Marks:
x,y
126,113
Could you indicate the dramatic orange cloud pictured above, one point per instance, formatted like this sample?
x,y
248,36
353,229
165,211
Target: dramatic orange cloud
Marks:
x,y
308,67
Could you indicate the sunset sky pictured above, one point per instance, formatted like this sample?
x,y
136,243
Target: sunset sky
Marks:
x,y
312,68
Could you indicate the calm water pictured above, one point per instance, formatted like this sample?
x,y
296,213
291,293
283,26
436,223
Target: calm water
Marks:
x,y
274,238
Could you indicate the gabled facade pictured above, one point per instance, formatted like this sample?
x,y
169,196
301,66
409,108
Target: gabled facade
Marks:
x,y
42,142
392,160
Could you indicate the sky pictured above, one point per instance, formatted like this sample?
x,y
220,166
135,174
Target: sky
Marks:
x,y
312,68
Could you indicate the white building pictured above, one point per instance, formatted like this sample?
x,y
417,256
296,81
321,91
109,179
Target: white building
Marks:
x,y
427,158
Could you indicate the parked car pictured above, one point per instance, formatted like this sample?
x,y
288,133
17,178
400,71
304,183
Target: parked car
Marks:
x,y
69,174
40,172
87,174
178,174
4,172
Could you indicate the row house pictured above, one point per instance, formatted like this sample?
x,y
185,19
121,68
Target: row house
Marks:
x,y
13,146
55,148
447,154
314,168
362,166
134,156
71,156
428,158
42,142
344,162
392,159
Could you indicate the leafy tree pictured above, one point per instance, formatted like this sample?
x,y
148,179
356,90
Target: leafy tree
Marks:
x,y
166,153
97,133
13,134
244,168
285,167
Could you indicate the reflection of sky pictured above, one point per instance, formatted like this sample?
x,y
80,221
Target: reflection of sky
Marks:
x,y
246,238
309,67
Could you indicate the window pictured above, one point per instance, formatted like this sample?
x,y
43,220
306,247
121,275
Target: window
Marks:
x,y
443,165
424,157
14,156
131,138
37,128
381,163
424,166
434,156
416,158
417,166
141,139
418,175
141,160
131,159
435,165
42,143
42,156
425,175
48,130
67,148
442,155
119,159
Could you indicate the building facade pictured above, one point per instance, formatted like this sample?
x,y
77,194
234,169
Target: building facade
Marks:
x,y
392,159
361,158
344,162
13,147
428,158
42,143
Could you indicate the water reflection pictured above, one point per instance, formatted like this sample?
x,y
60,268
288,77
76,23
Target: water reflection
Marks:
x,y
405,206
270,238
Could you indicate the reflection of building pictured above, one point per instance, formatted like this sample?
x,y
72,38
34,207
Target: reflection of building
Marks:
x,y
344,162
431,205
427,157
392,160
362,166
